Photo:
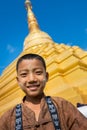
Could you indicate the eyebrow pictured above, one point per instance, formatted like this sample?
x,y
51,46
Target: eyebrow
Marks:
x,y
28,70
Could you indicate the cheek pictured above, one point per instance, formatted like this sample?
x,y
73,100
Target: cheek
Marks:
x,y
22,86
43,82
21,83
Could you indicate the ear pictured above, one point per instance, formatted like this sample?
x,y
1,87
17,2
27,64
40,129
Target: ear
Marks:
x,y
17,79
47,76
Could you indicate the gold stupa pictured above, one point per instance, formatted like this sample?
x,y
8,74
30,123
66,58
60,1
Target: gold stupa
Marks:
x,y
67,67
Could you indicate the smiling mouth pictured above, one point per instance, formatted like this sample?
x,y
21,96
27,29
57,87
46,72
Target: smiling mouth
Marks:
x,y
33,87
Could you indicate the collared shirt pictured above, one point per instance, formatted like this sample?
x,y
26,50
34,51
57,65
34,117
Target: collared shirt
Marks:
x,y
70,118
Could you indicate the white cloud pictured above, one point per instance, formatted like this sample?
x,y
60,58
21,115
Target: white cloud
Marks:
x,y
10,48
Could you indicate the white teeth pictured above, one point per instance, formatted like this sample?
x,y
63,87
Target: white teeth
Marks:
x,y
32,86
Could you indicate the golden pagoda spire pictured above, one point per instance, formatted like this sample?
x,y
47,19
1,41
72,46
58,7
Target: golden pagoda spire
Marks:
x,y
32,22
35,36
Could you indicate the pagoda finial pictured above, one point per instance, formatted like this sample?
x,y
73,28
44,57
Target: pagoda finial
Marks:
x,y
32,22
35,36
28,4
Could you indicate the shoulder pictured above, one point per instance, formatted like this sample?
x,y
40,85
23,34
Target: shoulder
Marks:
x,y
67,107
60,101
6,118
69,113
8,114
64,104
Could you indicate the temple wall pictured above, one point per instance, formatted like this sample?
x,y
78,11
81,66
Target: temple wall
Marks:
x,y
67,67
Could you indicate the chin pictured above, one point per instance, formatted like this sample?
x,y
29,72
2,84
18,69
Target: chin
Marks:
x,y
34,95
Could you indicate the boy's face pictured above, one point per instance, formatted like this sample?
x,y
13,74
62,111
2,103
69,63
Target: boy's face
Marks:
x,y
32,77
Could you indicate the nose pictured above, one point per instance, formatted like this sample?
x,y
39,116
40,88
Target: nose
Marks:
x,y
31,78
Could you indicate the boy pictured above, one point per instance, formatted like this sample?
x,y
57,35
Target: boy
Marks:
x,y
34,112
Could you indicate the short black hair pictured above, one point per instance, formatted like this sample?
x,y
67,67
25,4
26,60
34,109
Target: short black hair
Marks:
x,y
31,56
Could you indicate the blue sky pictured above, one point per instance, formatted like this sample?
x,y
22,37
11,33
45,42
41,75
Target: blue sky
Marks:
x,y
64,20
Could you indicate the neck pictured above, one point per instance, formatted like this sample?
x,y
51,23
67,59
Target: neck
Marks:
x,y
34,100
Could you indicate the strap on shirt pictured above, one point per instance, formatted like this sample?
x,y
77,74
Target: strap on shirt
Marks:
x,y
52,110
18,122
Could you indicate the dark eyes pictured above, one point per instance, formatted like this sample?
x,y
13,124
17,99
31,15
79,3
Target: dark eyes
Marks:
x,y
23,74
39,72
